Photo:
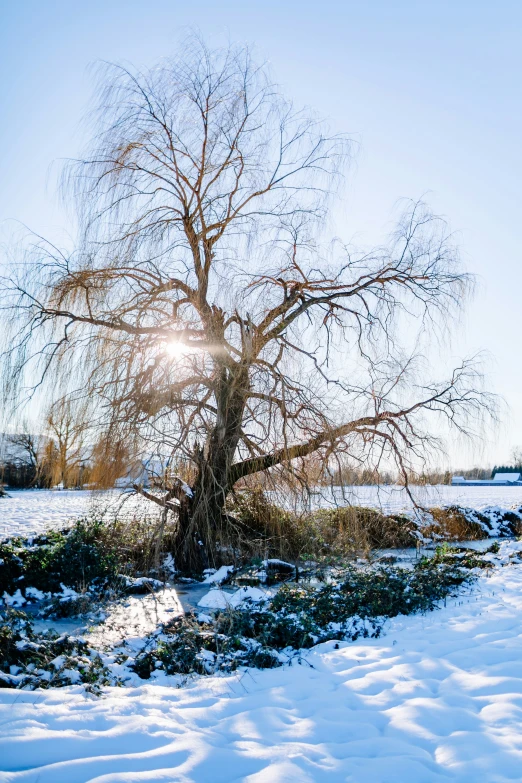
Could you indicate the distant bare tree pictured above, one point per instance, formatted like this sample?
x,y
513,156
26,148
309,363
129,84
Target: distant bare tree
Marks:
x,y
516,455
202,309
27,450
64,453
27,446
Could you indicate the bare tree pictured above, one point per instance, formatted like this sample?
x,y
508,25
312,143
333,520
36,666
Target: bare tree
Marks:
x,y
21,455
27,446
516,456
65,453
27,450
203,309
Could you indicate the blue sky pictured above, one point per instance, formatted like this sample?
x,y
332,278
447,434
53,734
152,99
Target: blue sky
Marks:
x,y
431,91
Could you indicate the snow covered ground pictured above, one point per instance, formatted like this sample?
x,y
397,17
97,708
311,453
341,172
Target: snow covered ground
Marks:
x,y
34,511
392,499
437,699
26,512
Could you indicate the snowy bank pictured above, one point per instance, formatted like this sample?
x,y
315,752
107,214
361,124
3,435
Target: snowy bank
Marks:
x,y
438,699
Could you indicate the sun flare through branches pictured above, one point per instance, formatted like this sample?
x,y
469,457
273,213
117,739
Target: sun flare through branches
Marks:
x,y
209,316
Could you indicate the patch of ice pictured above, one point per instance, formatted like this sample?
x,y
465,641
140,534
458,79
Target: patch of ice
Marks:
x,y
129,621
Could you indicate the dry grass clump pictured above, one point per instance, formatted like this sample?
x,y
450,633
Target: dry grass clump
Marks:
x,y
258,528
263,530
355,529
452,524
255,528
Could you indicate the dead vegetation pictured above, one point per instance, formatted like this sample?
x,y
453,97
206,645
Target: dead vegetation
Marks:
x,y
452,524
263,530
258,529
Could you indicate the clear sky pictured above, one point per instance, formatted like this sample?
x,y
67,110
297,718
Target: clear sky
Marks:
x,y
430,89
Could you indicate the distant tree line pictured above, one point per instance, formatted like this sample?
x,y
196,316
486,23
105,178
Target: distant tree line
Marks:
x,y
515,467
354,476
506,469
345,474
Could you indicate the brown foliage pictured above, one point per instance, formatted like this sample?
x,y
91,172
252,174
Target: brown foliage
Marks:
x,y
262,529
453,525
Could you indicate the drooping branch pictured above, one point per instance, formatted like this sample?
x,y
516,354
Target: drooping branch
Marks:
x,y
455,398
256,464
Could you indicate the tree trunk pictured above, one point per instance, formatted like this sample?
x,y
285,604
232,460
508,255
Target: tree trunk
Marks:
x,y
202,517
200,521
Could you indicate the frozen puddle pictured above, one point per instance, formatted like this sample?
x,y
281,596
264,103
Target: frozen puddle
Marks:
x,y
129,620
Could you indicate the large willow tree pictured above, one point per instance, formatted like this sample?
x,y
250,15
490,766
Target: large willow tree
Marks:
x,y
202,309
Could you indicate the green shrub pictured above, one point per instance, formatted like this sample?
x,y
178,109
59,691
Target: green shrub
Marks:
x,y
139,542
29,660
353,605
80,558
75,559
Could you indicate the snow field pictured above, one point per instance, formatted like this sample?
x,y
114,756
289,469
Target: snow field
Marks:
x,y
393,499
27,512
33,511
437,699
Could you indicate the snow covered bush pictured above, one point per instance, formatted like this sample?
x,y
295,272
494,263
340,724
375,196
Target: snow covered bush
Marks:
x,y
29,660
75,559
460,523
353,603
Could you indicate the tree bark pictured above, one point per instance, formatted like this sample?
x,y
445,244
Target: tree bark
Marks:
x,y
202,517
